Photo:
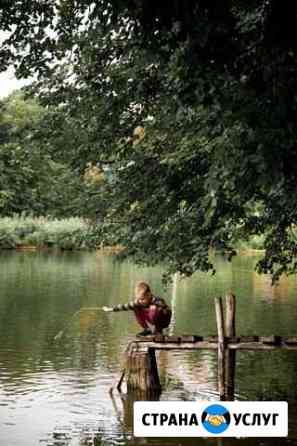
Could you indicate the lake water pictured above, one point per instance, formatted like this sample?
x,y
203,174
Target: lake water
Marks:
x,y
56,392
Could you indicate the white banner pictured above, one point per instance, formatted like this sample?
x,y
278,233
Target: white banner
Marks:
x,y
210,419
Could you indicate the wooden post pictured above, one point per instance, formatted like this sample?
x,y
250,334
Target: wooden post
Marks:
x,y
142,371
230,355
221,347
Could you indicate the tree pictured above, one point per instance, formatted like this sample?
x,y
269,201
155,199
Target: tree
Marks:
x,y
214,86
31,180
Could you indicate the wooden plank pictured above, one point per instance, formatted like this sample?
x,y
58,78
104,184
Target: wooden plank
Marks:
x,y
146,338
204,345
276,340
230,355
290,339
187,338
230,315
253,346
214,338
159,338
211,342
172,339
246,339
210,339
232,339
221,347
191,338
178,346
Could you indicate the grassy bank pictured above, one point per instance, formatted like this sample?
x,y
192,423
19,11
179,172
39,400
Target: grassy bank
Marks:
x,y
255,243
21,232
67,234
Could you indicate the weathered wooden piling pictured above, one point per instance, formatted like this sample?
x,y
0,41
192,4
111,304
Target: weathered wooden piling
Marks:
x,y
221,347
142,371
230,355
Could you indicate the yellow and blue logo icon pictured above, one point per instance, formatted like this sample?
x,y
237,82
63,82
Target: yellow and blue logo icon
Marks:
x,y
216,418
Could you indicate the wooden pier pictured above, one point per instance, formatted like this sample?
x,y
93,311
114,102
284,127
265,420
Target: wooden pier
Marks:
x,y
141,368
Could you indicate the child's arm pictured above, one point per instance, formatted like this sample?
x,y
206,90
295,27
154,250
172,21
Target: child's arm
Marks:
x,y
122,307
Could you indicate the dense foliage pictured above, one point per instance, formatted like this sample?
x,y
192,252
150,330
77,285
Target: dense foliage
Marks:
x,y
210,87
31,179
66,234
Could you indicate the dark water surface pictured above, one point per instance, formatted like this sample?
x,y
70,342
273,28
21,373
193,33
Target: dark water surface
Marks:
x,y
56,393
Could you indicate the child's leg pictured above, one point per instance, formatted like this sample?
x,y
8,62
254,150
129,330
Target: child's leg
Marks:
x,y
141,317
145,317
153,319
158,318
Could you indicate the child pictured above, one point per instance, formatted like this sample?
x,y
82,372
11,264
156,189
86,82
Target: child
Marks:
x,y
151,312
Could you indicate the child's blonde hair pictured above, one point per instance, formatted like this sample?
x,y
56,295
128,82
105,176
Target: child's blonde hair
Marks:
x,y
143,287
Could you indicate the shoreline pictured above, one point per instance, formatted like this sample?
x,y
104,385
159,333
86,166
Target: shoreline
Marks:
x,y
111,249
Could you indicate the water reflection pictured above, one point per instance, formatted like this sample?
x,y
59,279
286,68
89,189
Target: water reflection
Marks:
x,y
277,293
55,392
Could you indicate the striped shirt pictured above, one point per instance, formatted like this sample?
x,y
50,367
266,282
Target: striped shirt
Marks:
x,y
134,305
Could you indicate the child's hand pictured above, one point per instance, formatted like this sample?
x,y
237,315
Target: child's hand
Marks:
x,y
107,309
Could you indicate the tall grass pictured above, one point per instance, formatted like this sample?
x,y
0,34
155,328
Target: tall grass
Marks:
x,y
71,233
255,242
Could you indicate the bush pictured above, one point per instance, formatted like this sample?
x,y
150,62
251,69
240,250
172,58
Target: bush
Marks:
x,y
254,242
68,234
